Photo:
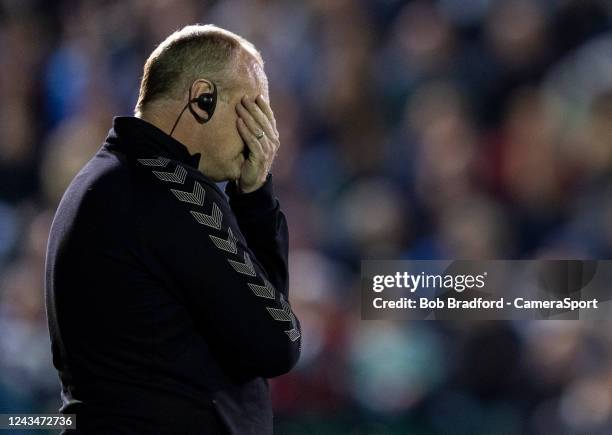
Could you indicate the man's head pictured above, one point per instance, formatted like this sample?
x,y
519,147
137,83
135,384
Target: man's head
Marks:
x,y
186,65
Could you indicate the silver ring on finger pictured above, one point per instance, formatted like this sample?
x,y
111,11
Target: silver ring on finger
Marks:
x,y
259,134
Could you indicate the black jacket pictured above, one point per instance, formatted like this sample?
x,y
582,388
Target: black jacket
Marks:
x,y
167,304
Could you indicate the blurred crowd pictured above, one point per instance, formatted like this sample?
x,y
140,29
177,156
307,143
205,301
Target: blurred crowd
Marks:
x,y
445,129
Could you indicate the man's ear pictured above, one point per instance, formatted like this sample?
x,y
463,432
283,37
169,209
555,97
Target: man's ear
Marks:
x,y
199,87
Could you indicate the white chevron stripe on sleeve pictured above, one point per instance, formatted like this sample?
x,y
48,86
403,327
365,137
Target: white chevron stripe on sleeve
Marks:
x,y
178,176
263,291
213,220
245,268
228,245
195,197
284,315
158,161
293,334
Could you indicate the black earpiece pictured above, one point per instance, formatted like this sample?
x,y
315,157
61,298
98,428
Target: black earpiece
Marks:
x,y
206,102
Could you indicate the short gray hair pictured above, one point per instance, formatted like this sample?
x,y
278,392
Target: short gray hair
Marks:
x,y
196,51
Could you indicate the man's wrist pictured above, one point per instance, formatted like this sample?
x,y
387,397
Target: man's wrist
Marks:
x,y
261,198
250,189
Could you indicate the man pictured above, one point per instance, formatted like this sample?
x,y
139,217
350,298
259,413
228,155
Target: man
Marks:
x,y
168,303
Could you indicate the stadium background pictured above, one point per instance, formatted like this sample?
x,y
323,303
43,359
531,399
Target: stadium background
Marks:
x,y
409,129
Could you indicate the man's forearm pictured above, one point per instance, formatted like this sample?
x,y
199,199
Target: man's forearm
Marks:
x,y
264,227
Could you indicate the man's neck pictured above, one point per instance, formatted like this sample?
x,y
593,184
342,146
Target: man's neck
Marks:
x,y
165,125
153,119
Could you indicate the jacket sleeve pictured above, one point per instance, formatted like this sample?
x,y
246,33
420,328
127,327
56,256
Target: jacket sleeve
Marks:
x,y
236,293
264,227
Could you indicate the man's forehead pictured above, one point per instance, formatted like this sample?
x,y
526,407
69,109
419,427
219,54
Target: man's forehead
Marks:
x,y
251,77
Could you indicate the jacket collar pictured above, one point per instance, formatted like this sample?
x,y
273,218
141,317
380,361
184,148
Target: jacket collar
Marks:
x,y
138,137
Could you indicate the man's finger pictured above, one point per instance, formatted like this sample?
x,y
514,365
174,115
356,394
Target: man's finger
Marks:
x,y
249,138
262,135
267,110
259,116
254,124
